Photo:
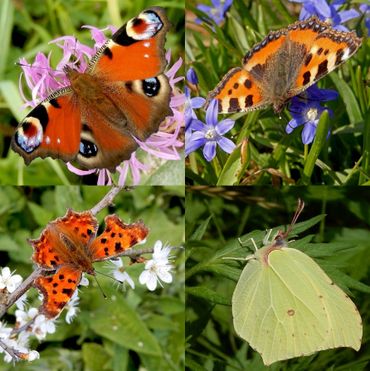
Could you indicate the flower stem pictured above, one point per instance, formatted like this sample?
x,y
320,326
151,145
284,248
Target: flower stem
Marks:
x,y
318,144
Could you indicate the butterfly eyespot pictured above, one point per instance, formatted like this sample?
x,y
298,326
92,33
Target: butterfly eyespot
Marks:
x,y
29,135
144,27
88,149
151,86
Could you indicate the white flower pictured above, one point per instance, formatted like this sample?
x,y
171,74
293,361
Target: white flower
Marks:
x,y
120,274
84,281
71,307
32,355
22,301
4,332
19,345
157,269
43,326
8,281
22,317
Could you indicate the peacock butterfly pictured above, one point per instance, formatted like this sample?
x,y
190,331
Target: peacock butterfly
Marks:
x,y
122,95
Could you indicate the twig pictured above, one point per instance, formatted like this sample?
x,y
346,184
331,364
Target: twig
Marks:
x,y
25,327
12,352
25,285
106,200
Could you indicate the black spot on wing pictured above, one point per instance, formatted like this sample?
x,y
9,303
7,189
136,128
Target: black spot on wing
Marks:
x,y
40,112
121,37
248,83
117,246
234,105
68,292
338,57
108,53
54,103
306,77
308,59
249,101
322,70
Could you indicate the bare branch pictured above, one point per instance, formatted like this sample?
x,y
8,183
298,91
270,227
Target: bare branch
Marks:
x,y
12,352
107,199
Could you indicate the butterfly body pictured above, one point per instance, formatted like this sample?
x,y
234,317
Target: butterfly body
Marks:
x,y
123,95
284,64
69,246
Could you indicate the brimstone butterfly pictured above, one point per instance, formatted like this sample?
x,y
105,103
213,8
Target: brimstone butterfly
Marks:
x,y
285,306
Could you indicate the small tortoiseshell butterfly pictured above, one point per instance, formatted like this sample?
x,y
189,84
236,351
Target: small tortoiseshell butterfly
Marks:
x,y
282,65
123,94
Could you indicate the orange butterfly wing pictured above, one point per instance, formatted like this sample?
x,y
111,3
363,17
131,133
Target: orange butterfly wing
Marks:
x,y
42,132
117,237
136,50
60,240
284,64
57,289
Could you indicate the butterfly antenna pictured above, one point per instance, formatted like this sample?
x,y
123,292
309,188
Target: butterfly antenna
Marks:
x,y
106,275
298,211
100,288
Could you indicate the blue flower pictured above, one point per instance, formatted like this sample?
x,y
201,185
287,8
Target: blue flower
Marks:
x,y
191,76
326,11
366,10
190,105
307,111
217,11
210,134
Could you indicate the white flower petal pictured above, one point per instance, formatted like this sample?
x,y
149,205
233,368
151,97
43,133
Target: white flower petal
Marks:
x,y
5,273
151,283
144,276
32,355
165,276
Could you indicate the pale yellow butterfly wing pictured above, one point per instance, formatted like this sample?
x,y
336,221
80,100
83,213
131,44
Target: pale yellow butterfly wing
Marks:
x,y
291,308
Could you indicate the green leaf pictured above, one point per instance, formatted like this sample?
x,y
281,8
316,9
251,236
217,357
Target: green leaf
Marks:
x,y
350,101
118,322
208,294
95,357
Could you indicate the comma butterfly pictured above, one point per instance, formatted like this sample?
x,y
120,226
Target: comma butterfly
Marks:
x,y
68,246
122,95
284,64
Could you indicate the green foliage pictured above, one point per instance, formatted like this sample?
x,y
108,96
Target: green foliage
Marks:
x,y
131,327
265,154
334,229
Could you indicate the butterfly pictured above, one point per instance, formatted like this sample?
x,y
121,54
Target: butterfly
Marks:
x,y
68,247
284,305
122,95
284,64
